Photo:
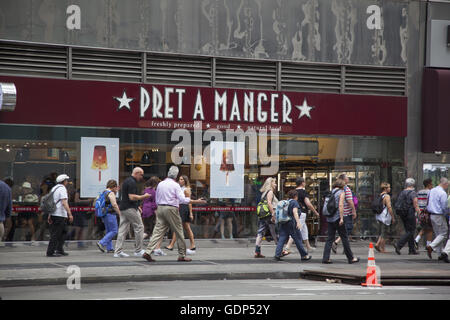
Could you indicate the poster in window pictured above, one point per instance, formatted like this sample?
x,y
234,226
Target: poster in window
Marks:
x,y
227,169
198,168
99,164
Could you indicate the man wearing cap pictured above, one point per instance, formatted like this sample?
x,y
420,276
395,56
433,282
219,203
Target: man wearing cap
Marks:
x,y
57,220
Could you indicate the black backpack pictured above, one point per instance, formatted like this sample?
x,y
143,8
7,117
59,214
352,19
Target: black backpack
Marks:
x,y
402,205
329,206
377,204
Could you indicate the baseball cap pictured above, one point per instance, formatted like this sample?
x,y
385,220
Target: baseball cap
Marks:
x,y
26,185
62,177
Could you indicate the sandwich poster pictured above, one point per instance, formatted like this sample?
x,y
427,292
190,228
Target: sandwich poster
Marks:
x,y
227,169
99,163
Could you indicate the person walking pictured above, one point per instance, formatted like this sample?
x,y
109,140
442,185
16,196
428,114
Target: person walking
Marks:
x,y
349,211
424,223
336,223
407,208
437,207
5,206
268,192
305,204
149,206
292,229
186,216
57,220
168,198
385,218
129,214
110,219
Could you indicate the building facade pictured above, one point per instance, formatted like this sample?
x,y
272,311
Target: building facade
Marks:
x,y
338,82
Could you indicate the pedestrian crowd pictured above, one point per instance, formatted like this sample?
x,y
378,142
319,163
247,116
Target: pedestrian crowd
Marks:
x,y
167,205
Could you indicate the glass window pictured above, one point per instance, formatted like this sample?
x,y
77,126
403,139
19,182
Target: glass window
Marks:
x,y
32,157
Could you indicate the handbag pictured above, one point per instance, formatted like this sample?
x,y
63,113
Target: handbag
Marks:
x,y
262,210
384,217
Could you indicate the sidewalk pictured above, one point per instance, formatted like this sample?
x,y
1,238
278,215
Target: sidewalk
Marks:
x,y
25,264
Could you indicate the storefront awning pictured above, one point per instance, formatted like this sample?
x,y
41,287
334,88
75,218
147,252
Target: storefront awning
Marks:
x,y
436,110
59,102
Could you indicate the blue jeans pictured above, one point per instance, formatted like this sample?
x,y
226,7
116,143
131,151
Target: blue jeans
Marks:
x,y
110,222
289,229
348,222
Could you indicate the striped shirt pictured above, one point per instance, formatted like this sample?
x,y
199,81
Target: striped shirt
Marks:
x,y
422,198
348,198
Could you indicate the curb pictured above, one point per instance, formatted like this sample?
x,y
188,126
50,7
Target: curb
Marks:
x,y
385,280
153,277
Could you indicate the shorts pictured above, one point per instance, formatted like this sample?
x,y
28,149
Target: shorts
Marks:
x,y
304,229
226,214
79,219
184,213
27,215
383,230
265,224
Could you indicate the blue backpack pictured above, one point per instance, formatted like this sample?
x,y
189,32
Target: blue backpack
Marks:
x,y
281,213
100,205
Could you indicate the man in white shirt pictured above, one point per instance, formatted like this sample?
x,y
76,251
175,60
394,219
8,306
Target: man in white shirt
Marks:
x,y
437,207
58,219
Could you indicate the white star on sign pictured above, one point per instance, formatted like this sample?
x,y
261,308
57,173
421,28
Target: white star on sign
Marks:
x,y
304,109
124,101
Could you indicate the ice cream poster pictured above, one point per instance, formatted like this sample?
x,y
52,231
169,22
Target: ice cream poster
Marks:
x,y
99,163
227,169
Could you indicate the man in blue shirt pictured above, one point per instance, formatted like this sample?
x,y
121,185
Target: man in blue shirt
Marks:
x,y
437,207
5,205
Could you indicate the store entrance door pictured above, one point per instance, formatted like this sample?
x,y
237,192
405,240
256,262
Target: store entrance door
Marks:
x,y
436,171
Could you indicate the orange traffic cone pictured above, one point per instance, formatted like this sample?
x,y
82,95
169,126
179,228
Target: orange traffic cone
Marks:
x,y
371,277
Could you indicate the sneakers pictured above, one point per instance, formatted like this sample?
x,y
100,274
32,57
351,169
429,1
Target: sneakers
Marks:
x,y
101,247
259,255
139,254
159,252
190,252
121,255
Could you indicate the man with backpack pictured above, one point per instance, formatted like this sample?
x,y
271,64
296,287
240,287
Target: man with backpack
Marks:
x,y
407,207
58,218
349,211
288,220
333,210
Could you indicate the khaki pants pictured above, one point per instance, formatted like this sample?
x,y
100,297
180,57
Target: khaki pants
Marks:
x,y
166,217
127,217
440,228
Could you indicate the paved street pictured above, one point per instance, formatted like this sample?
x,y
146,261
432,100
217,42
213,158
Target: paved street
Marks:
x,y
24,270
266,289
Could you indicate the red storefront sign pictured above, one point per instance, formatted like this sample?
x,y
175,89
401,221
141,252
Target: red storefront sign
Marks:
x,y
18,209
131,105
